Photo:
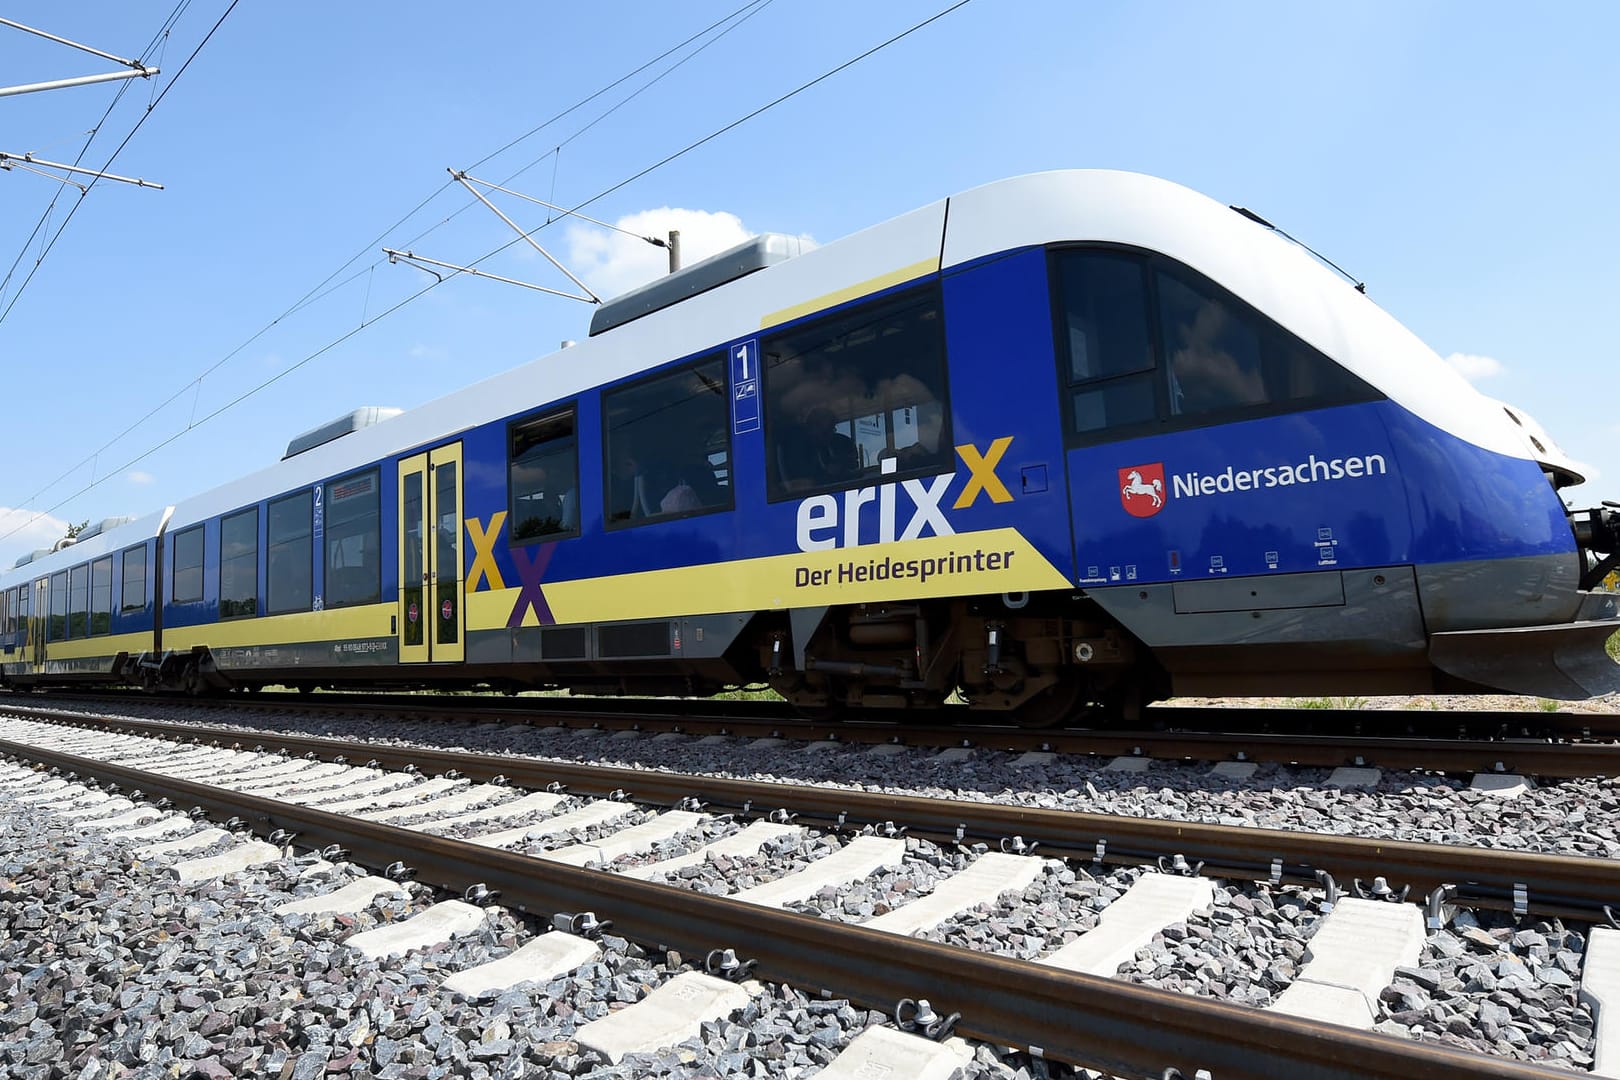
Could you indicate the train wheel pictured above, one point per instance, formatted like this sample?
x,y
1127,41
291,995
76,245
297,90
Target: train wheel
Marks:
x,y
1062,702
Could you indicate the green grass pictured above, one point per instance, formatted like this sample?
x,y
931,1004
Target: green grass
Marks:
x,y
1330,703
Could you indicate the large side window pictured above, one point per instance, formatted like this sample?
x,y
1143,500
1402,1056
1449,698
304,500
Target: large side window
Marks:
x,y
239,564
543,473
1147,344
857,395
186,585
59,607
101,596
353,541
290,576
79,601
1222,355
669,445
134,592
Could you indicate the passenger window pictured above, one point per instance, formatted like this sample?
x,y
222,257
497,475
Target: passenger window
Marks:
x,y
79,602
857,395
134,591
543,473
353,541
239,564
59,607
101,596
669,446
187,584
289,578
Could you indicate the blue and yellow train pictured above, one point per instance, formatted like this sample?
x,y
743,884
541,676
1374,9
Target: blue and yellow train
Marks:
x,y
1071,439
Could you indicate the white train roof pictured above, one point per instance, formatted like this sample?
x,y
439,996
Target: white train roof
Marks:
x,y
106,542
1274,275
1277,276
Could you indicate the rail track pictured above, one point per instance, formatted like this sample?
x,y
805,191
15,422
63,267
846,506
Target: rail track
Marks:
x,y
1096,1022
1529,743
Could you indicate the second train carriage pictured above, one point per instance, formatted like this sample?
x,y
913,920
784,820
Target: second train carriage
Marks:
x,y
1075,437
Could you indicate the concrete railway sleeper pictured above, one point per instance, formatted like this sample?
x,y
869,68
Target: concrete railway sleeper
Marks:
x,y
1056,1007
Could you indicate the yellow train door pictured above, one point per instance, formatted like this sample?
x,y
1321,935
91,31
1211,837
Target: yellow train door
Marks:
x,y
431,623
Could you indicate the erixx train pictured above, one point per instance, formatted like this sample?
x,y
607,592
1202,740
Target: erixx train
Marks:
x,y
1072,439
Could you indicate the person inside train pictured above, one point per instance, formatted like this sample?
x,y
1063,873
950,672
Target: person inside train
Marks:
x,y
644,486
816,454
545,511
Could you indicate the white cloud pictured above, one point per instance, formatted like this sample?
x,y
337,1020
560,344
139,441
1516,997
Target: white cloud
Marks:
x,y
22,531
1473,367
139,477
612,263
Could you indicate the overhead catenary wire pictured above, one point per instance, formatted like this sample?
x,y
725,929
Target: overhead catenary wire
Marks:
x,y
688,148
322,290
159,38
74,209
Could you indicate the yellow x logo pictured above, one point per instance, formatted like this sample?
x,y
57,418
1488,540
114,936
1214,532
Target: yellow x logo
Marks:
x,y
983,470
484,552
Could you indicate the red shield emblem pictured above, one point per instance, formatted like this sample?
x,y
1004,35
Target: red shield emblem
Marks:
x,y
1141,489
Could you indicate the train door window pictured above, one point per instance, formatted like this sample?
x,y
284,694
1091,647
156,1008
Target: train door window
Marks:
x,y
290,578
134,591
669,446
79,601
101,596
23,608
857,395
186,583
239,564
57,630
543,473
1106,341
353,541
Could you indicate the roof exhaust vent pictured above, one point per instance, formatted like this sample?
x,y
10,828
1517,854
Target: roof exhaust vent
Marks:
x,y
347,424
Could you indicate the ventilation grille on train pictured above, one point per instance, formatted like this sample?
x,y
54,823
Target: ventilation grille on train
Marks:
x,y
563,643
633,639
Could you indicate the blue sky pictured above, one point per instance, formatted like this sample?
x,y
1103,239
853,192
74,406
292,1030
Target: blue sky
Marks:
x,y
1455,156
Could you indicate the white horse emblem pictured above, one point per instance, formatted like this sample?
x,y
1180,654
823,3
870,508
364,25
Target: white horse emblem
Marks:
x,y
1136,486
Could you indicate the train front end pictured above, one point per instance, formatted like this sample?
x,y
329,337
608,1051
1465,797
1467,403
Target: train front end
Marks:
x,y
1539,623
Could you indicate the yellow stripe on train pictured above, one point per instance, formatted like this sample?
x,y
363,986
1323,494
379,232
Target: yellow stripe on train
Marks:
x,y
992,561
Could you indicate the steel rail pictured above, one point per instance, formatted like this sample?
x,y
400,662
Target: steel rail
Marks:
x,y
1088,1020
880,725
1554,760
1561,885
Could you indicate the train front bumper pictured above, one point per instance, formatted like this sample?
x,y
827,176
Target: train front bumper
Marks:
x,y
1564,661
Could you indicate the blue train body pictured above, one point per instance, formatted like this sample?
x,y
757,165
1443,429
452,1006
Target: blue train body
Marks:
x,y
1086,440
